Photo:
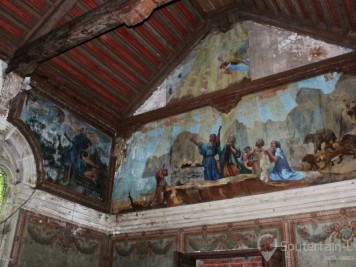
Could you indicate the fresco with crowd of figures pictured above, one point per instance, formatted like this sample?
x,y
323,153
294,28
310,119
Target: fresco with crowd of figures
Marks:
x,y
295,135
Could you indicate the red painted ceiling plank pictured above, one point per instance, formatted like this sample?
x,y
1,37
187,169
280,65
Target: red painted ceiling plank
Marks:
x,y
318,10
176,23
37,4
186,13
13,30
83,78
290,8
333,13
82,98
162,29
17,11
90,3
139,47
351,14
74,12
62,22
95,50
303,9
6,49
92,67
122,52
153,40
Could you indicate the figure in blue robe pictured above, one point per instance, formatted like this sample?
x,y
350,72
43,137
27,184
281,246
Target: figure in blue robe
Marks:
x,y
72,158
281,171
208,151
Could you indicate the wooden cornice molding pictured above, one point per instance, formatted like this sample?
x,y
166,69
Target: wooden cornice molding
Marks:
x,y
235,91
80,30
225,103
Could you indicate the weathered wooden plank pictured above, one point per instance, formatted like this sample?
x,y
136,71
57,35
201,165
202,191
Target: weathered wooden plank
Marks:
x,y
102,19
50,19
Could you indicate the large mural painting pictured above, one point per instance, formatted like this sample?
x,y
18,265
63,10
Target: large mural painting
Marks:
x,y
295,135
76,155
216,62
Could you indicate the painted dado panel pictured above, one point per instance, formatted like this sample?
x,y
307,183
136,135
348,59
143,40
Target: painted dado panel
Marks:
x,y
42,241
324,240
310,239
296,135
145,249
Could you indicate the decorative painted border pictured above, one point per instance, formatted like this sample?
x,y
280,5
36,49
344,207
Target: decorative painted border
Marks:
x,y
26,216
315,217
143,241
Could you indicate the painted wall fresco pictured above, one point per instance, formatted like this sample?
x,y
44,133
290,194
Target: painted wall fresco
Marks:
x,y
42,241
324,238
216,62
312,124
324,241
146,250
76,155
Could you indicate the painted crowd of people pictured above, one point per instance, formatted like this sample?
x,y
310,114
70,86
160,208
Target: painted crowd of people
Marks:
x,y
232,161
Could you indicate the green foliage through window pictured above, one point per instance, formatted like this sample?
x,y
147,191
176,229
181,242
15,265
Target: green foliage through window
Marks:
x,y
2,184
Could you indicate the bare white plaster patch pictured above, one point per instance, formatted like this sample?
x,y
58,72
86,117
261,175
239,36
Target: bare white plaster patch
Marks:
x,y
274,50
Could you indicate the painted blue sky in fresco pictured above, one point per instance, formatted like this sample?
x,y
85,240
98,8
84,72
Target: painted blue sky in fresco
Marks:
x,y
281,105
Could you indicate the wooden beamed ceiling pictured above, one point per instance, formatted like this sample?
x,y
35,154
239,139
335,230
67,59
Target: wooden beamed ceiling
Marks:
x,y
104,58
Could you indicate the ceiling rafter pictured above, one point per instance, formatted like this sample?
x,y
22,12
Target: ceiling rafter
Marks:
x,y
75,91
49,20
106,17
85,106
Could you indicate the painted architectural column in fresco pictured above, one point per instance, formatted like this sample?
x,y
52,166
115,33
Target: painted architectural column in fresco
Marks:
x,y
11,87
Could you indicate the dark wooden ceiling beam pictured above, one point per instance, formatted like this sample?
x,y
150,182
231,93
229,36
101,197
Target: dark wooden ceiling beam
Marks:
x,y
92,24
292,25
344,62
